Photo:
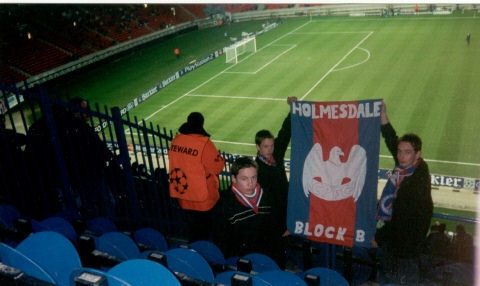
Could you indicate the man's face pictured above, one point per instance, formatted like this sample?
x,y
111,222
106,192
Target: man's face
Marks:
x,y
266,147
246,180
406,155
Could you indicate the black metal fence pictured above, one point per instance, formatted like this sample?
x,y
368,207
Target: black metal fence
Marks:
x,y
58,156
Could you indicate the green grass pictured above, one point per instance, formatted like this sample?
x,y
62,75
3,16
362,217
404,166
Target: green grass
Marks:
x,y
421,66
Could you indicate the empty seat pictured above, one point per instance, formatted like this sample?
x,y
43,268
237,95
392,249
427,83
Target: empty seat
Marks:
x,y
209,251
281,278
101,225
225,278
59,225
190,263
144,272
117,244
261,262
8,214
327,276
149,238
14,258
53,252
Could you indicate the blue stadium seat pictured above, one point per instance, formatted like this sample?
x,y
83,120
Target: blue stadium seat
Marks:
x,y
10,234
328,277
144,272
150,238
190,263
14,258
117,244
53,252
101,225
225,278
209,251
361,271
281,278
85,274
8,214
261,262
59,225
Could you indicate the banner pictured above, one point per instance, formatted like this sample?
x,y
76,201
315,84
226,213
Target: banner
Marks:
x,y
334,167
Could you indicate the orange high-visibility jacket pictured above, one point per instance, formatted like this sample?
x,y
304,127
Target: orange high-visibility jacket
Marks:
x,y
194,166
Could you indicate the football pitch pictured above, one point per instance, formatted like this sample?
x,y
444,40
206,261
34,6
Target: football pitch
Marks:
x,y
421,66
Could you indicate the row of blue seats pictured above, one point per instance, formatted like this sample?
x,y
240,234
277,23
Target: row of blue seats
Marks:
x,y
201,261
50,257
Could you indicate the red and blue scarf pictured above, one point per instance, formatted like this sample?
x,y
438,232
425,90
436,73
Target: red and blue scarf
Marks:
x,y
385,205
269,162
251,201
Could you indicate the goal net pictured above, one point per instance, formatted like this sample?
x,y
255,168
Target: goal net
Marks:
x,y
234,51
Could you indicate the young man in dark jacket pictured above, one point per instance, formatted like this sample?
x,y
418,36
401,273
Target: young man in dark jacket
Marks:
x,y
248,216
270,159
405,208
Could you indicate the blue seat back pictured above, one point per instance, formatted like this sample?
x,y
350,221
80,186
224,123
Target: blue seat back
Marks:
x,y
61,226
151,238
190,263
14,258
261,262
281,278
328,277
144,272
53,252
361,271
101,225
209,251
8,214
118,244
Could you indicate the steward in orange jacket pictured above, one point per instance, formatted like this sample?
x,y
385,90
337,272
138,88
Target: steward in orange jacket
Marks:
x,y
194,166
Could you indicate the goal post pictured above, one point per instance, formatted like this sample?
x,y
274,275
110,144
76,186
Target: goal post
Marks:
x,y
234,51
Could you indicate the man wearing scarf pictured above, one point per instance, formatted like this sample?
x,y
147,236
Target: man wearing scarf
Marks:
x,y
405,208
248,215
270,159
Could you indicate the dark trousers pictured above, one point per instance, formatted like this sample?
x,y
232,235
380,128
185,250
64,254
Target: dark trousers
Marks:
x,y
199,225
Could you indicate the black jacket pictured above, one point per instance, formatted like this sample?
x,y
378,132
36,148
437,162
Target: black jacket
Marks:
x,y
239,230
405,233
274,178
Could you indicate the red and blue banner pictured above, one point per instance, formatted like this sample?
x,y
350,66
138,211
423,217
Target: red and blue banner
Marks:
x,y
333,171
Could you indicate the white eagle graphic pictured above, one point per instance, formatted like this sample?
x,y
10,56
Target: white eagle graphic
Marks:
x,y
333,180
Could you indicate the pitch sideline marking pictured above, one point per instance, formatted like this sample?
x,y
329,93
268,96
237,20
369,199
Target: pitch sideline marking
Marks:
x,y
236,97
333,68
217,75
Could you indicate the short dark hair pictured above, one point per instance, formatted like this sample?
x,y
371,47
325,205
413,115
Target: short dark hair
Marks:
x,y
412,139
262,135
242,163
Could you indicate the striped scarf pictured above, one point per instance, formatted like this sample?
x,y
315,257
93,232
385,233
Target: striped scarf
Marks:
x,y
251,201
269,162
384,210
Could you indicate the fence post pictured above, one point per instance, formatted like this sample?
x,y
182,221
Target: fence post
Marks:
x,y
125,159
147,146
68,199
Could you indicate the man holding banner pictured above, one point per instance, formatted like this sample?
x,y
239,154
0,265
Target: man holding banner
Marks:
x,y
405,208
334,165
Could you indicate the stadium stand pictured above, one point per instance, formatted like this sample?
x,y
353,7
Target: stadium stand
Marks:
x,y
140,194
